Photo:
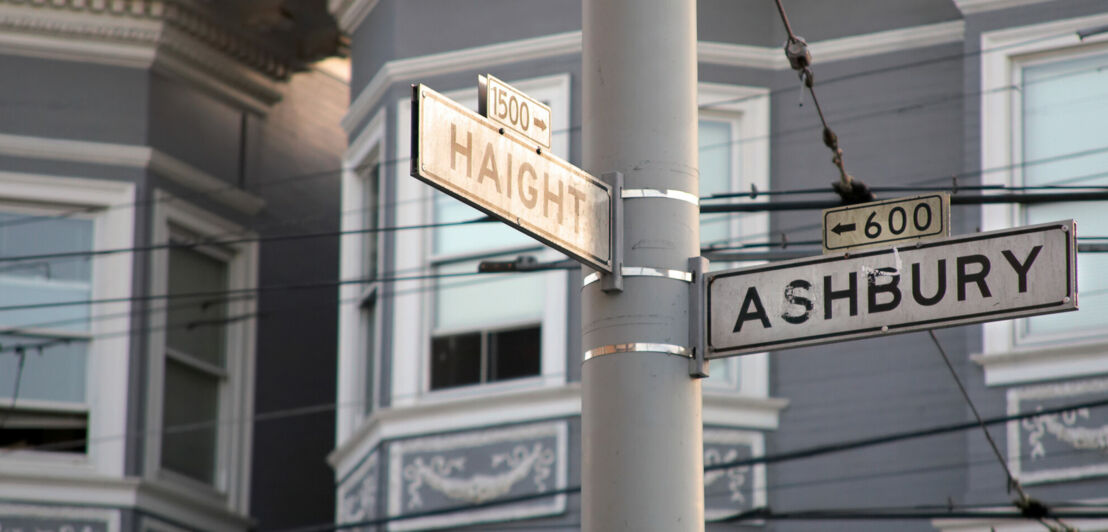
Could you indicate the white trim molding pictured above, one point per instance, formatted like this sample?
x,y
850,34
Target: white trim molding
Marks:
x,y
368,148
854,46
169,37
569,43
970,7
131,156
481,57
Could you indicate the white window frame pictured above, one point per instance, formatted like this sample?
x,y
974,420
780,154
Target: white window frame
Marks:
x,y
353,329
108,352
414,304
236,401
747,108
1005,362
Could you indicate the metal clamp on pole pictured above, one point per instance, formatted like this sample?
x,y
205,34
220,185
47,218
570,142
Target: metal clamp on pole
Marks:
x,y
698,314
613,282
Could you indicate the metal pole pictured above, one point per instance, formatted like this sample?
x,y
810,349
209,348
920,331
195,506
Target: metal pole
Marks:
x,y
642,435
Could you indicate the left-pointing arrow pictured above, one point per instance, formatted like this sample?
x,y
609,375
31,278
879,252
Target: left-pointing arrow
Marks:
x,y
841,228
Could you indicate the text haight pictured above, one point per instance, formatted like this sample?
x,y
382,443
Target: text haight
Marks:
x,y
466,156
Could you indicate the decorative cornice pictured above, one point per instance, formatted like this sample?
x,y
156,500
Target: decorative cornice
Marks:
x,y
733,55
163,34
131,156
969,7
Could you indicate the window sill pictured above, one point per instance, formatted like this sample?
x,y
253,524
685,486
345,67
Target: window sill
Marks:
x,y
1044,363
734,410
42,464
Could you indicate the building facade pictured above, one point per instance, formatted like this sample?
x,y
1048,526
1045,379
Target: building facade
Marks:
x,y
149,376
468,386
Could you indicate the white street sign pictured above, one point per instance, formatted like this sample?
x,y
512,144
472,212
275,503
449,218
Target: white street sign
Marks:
x,y
885,223
465,155
965,279
510,107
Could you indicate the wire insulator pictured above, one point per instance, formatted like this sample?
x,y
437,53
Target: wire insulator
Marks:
x,y
796,49
1032,508
831,140
853,191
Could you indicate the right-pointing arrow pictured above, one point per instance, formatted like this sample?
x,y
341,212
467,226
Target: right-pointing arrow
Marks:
x,y
540,124
841,228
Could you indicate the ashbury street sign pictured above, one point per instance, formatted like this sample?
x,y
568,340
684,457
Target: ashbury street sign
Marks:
x,y
959,280
467,156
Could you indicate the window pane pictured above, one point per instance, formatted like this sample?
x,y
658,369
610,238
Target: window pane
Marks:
x,y
1065,111
515,353
455,360
716,144
470,238
49,280
488,300
57,374
189,421
195,326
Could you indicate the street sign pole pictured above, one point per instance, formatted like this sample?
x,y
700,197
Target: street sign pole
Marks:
x,y
642,435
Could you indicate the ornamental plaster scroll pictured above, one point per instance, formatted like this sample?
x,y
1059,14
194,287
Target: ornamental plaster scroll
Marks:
x,y
359,501
1060,446
1063,428
463,468
736,476
522,462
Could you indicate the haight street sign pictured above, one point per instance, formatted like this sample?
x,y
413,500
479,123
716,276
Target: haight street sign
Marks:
x,y
965,279
885,223
466,156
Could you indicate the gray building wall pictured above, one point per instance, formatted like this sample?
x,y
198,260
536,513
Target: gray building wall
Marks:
x,y
289,157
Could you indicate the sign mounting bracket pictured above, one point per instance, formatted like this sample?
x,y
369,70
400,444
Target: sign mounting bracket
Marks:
x,y
698,318
613,282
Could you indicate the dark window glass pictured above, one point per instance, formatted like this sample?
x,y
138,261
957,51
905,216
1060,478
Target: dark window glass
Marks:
x,y
455,360
43,431
514,353
485,356
189,421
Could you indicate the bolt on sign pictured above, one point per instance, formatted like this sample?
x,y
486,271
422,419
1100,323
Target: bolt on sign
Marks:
x,y
965,279
885,223
510,107
470,158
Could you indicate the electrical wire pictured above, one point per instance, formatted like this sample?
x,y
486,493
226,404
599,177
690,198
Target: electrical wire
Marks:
x,y
22,354
1025,503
